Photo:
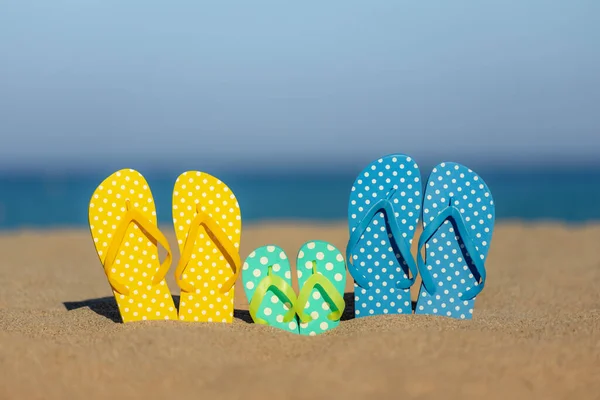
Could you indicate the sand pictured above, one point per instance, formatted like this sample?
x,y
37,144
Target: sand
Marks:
x,y
535,332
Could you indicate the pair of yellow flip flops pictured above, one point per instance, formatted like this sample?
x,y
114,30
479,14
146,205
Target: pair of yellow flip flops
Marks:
x,y
207,221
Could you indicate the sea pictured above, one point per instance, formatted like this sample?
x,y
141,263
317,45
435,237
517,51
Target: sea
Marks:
x,y
33,201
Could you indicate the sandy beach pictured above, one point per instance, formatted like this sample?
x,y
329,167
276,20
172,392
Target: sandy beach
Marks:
x,y
535,333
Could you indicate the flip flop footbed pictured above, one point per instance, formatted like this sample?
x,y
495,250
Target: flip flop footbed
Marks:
x,y
445,258
324,259
137,259
273,307
376,255
208,269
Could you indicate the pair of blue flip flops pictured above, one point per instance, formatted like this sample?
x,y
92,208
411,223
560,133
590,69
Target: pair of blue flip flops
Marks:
x,y
385,206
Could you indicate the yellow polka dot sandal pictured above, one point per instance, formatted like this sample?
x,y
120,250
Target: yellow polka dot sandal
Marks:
x,y
122,218
208,225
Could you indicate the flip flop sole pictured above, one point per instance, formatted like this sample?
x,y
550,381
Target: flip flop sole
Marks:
x,y
376,256
137,261
272,309
208,269
329,262
445,259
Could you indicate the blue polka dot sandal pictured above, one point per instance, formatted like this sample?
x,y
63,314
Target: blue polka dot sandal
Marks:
x,y
384,210
322,279
267,280
458,220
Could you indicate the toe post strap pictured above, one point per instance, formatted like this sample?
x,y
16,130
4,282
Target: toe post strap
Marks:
x,y
387,208
151,231
477,266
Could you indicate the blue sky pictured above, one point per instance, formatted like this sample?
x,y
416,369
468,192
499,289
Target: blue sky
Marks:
x,y
264,84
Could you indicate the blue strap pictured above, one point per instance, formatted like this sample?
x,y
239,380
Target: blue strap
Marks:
x,y
451,212
388,209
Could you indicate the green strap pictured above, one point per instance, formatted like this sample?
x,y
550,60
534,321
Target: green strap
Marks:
x,y
281,289
327,290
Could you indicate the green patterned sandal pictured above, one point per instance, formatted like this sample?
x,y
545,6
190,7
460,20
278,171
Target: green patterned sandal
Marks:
x,y
267,282
322,279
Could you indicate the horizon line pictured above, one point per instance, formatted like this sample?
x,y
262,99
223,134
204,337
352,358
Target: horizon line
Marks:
x,y
285,164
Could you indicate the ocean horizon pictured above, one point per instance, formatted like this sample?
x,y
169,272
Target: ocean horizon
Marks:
x,y
52,200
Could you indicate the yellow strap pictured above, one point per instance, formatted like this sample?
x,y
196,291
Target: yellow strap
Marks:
x,y
151,231
219,237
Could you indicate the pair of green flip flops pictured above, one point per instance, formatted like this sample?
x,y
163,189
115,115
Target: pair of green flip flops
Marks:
x,y
321,271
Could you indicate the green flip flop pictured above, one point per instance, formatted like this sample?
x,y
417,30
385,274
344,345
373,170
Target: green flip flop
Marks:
x,y
267,280
322,278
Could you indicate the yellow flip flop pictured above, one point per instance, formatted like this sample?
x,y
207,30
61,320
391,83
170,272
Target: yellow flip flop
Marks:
x,y
122,218
208,225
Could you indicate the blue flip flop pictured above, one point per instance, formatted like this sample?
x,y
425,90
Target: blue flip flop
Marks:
x,y
458,220
322,279
383,214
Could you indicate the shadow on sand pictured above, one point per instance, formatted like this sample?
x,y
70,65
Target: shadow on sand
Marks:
x,y
107,307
